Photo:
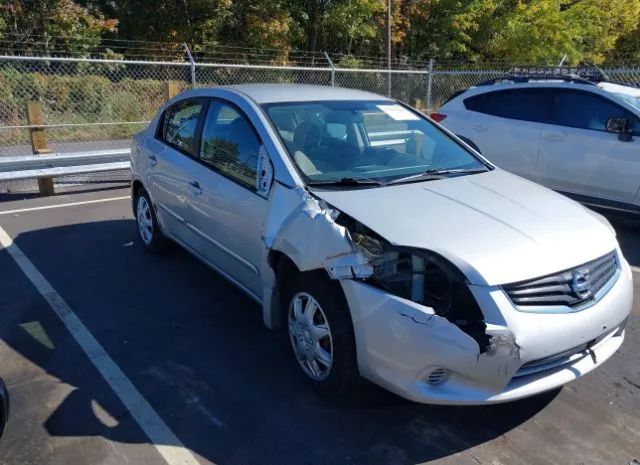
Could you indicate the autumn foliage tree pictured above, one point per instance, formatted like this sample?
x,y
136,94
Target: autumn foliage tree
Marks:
x,y
54,24
522,31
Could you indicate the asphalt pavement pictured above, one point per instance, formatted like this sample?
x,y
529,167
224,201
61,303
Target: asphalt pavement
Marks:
x,y
208,383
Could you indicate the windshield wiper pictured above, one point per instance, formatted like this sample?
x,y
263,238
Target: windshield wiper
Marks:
x,y
438,174
347,182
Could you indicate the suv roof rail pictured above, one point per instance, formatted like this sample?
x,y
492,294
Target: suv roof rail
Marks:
x,y
579,75
522,79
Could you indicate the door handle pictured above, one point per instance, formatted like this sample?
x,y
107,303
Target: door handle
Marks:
x,y
153,160
554,138
479,128
195,188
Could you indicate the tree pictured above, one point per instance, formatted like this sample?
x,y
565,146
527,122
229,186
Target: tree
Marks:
x,y
353,25
597,25
535,31
193,21
54,24
261,24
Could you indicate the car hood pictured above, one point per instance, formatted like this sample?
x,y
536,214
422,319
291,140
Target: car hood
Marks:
x,y
496,227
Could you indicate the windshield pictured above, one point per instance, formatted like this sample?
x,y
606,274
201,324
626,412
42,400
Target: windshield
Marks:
x,y
629,98
373,141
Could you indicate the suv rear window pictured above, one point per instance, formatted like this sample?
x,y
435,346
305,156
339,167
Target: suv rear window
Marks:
x,y
528,104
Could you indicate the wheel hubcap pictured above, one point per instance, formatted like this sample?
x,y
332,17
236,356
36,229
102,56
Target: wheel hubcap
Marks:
x,y
145,220
310,336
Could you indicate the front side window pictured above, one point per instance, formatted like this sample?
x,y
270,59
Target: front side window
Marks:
x,y
583,110
180,124
529,104
230,144
374,140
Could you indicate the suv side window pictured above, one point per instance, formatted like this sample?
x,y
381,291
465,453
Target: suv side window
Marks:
x,y
584,110
230,143
180,124
528,104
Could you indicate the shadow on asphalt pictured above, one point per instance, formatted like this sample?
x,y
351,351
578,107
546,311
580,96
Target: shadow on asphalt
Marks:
x,y
628,230
196,349
62,189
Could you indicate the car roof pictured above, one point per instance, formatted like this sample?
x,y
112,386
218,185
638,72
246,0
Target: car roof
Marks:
x,y
272,93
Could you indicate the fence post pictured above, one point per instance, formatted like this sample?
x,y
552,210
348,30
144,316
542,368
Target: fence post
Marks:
x,y
170,90
333,69
39,145
429,85
193,65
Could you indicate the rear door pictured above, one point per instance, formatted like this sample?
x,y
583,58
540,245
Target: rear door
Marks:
x,y
506,126
578,155
170,154
225,211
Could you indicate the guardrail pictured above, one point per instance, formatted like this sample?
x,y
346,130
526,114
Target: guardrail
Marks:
x,y
55,165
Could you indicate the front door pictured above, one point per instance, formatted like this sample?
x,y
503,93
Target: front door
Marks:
x,y
578,155
224,209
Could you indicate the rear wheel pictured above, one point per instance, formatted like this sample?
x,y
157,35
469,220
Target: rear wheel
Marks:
x,y
321,333
147,222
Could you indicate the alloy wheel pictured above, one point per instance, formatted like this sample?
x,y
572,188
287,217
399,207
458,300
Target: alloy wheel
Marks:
x,y
145,220
310,336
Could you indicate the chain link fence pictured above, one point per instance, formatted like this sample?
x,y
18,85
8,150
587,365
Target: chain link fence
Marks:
x,y
93,104
96,104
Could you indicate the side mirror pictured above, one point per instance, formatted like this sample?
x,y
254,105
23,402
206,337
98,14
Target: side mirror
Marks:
x,y
622,127
264,176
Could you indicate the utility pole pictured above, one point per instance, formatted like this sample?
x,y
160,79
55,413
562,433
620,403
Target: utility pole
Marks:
x,y
389,48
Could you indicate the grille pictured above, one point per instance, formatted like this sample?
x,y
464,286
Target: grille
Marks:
x,y
570,288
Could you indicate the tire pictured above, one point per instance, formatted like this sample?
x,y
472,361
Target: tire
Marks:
x,y
147,224
329,312
4,407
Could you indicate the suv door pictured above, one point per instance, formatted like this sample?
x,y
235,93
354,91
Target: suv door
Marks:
x,y
579,156
170,153
225,210
506,127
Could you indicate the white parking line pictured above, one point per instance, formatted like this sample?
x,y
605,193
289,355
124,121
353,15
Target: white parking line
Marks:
x,y
164,440
61,205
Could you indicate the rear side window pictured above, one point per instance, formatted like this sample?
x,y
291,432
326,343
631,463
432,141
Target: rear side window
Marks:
x,y
520,104
180,125
583,110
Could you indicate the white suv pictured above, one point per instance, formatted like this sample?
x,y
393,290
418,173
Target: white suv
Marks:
x,y
572,135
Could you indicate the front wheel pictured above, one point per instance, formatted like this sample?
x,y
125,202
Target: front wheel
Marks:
x,y
321,333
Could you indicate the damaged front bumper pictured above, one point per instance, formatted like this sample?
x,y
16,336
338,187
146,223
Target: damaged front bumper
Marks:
x,y
402,344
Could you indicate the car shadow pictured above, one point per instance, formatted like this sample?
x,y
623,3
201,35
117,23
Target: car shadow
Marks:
x,y
627,229
196,349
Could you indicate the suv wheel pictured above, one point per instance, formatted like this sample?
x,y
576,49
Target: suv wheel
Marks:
x,y
148,228
321,333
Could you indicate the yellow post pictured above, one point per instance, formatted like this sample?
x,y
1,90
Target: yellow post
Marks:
x,y
39,144
170,90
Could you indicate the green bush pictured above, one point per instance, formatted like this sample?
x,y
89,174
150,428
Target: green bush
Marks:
x,y
77,99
